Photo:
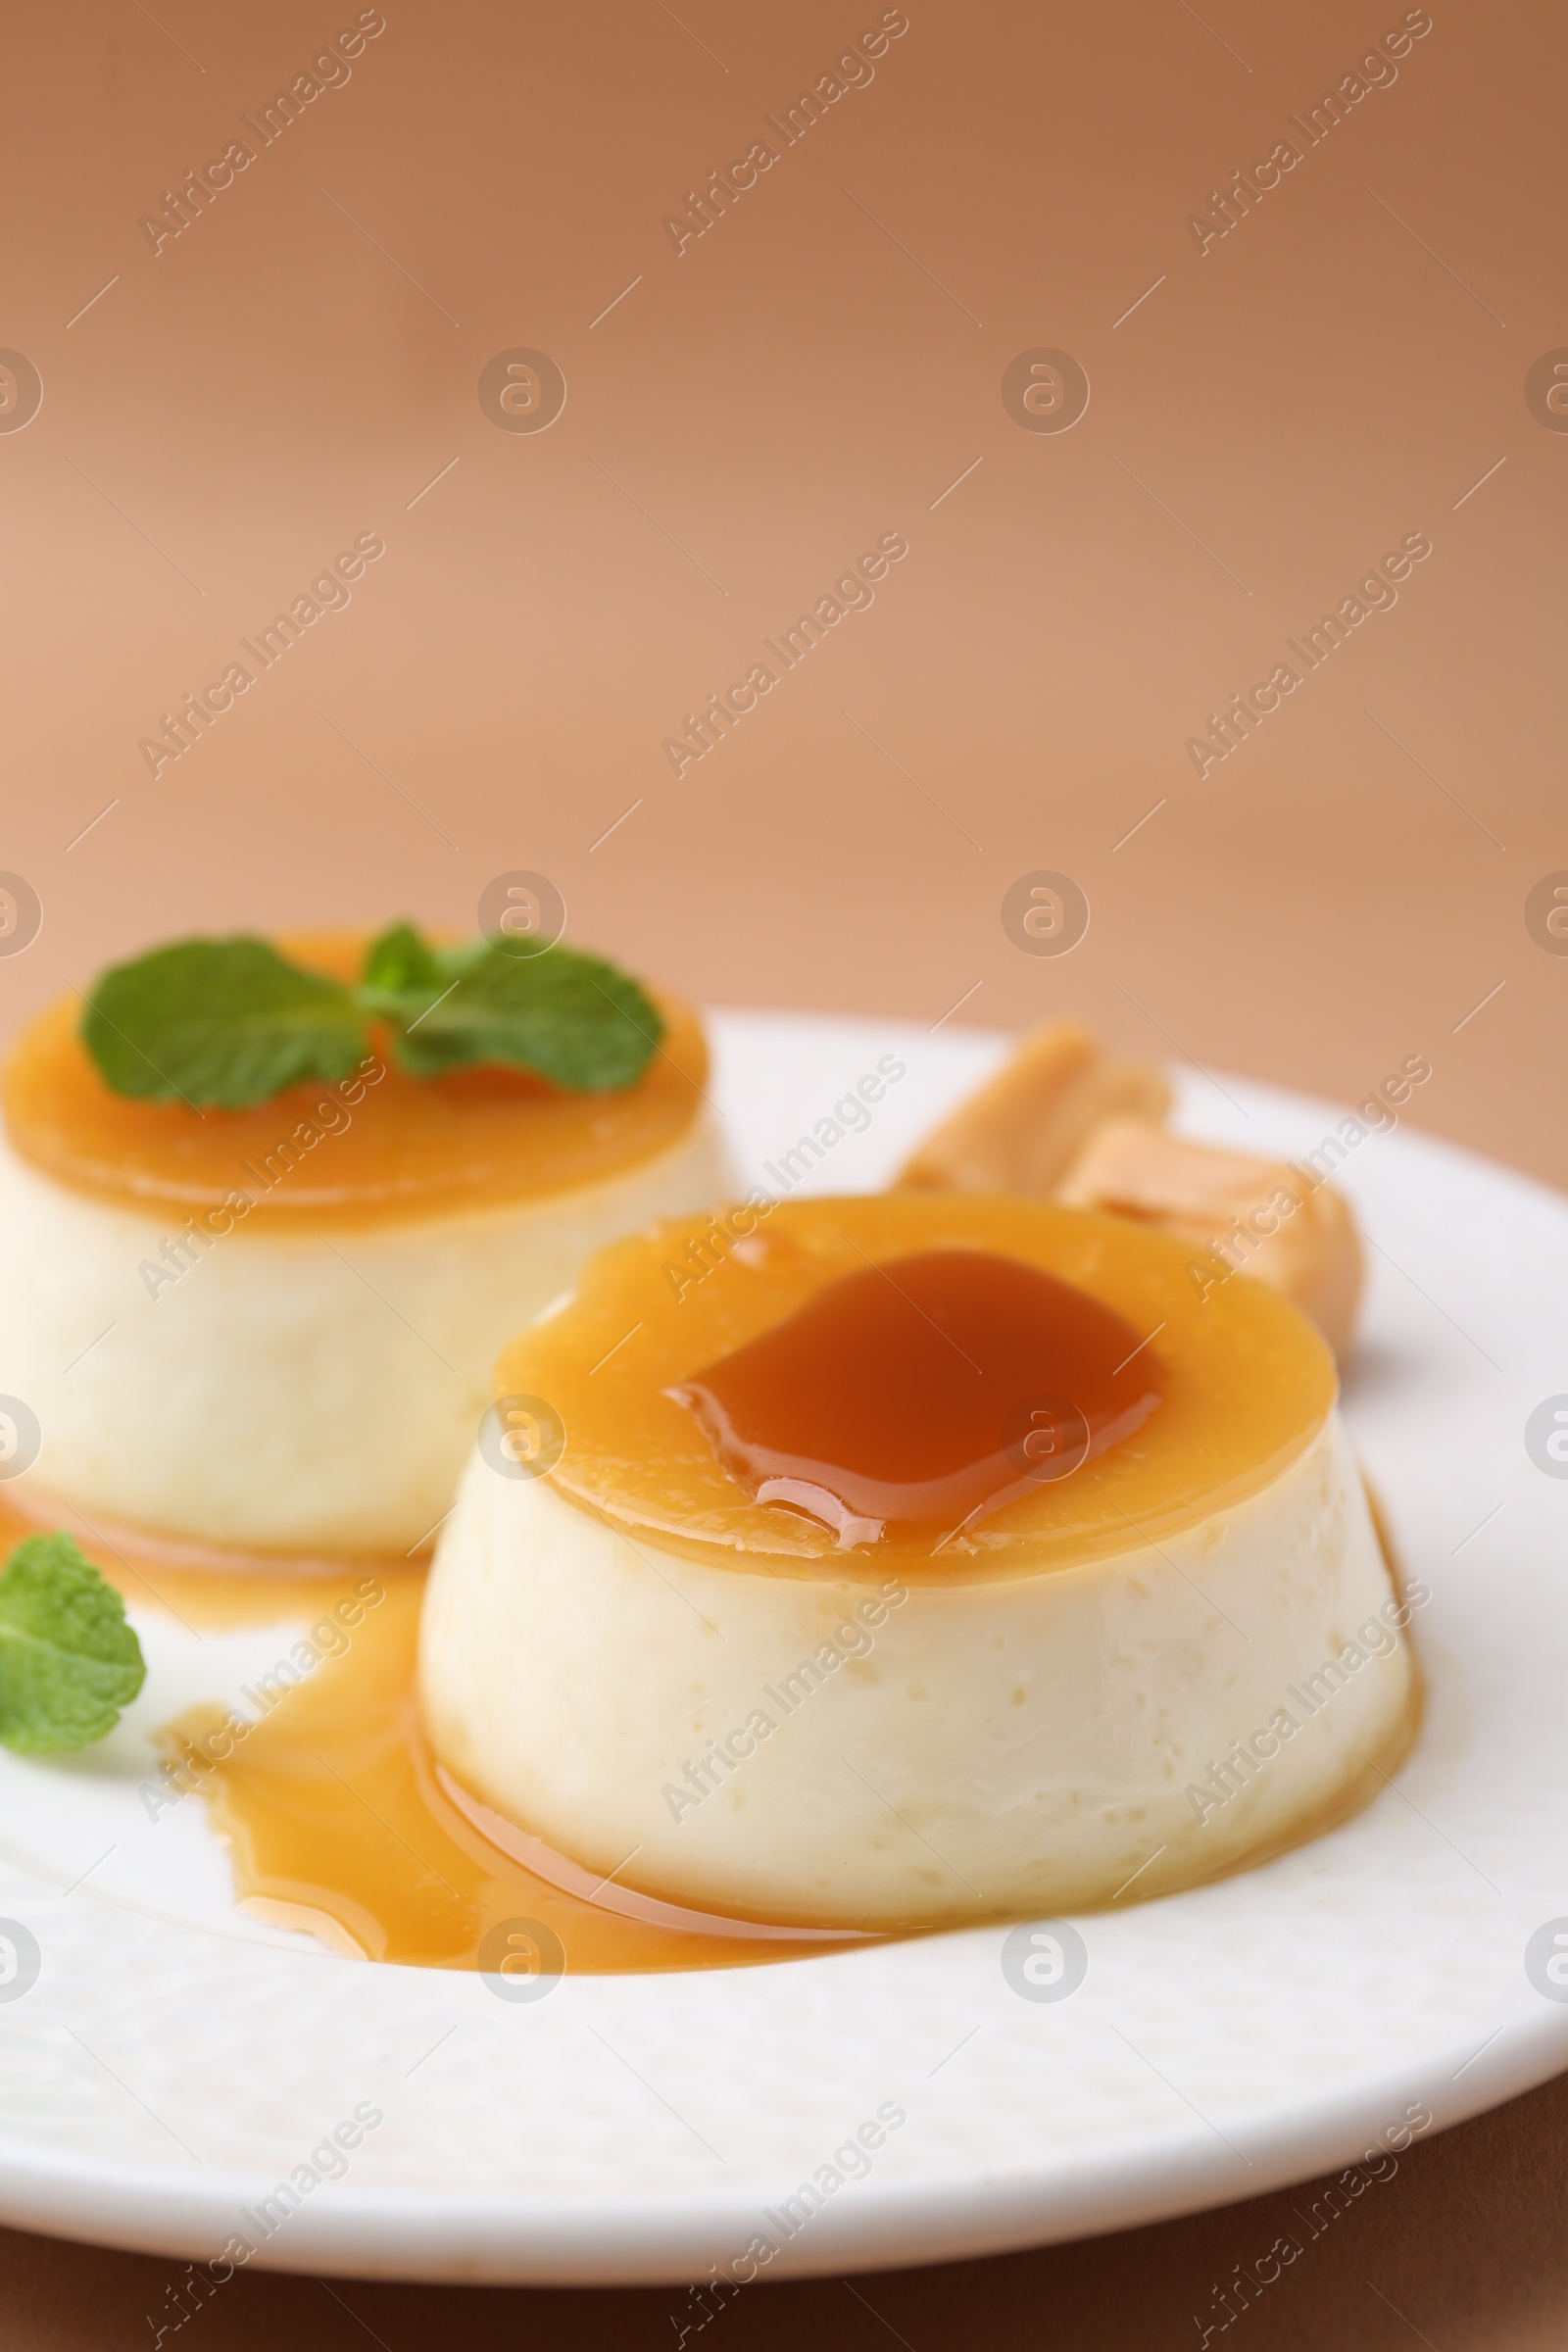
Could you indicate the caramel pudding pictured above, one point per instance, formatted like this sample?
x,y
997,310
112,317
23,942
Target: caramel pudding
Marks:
x,y
271,1329
927,1558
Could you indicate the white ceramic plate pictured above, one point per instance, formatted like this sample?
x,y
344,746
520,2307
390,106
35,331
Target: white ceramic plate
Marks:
x,y
175,2061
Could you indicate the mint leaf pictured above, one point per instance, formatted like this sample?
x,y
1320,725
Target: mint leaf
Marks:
x,y
219,1021
572,1019
69,1661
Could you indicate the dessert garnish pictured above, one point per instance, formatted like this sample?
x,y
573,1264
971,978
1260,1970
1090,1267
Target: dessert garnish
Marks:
x,y
226,1023
69,1662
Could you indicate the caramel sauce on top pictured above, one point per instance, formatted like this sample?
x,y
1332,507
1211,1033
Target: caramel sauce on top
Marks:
x,y
692,1369
924,1393
367,1150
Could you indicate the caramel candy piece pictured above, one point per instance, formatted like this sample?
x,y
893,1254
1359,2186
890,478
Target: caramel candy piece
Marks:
x,y
1019,1131
1256,1216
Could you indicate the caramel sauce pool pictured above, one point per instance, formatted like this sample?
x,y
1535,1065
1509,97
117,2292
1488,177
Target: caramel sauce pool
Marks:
x,y
335,1822
337,1825
330,1807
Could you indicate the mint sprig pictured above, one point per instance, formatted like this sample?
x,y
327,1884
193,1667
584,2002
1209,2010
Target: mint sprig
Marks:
x,y
229,1022
69,1662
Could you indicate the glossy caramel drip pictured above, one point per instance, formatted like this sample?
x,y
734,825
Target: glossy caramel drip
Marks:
x,y
335,1813
1244,1384
924,1393
336,1822
206,1591
362,1151
203,1584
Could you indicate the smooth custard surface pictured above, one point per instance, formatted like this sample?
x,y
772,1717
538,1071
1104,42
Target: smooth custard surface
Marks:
x,y
1247,1382
356,1152
853,1751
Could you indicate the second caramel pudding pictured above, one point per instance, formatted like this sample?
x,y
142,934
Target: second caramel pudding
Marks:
x,y
800,1626
290,1312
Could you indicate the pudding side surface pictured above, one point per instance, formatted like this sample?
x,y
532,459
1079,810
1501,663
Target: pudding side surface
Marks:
x,y
827,1753
293,1393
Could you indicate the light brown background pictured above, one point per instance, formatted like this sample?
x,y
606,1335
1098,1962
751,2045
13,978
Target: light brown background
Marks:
x,y
1276,413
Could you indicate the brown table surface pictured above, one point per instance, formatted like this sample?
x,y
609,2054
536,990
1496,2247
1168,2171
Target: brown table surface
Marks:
x,y
1271,412
1462,2248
